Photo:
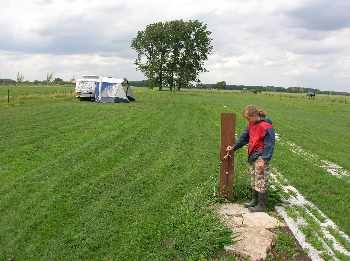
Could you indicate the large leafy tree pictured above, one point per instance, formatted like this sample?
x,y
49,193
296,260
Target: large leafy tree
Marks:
x,y
173,53
221,85
151,47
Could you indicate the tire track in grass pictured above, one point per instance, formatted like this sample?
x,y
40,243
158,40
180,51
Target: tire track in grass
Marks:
x,y
94,204
319,236
145,187
84,143
55,115
127,187
70,120
80,140
194,202
42,173
27,113
99,127
71,138
53,118
38,196
131,134
126,141
165,195
20,158
99,140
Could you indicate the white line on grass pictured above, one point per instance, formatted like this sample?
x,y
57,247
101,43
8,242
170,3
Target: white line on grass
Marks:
x,y
324,224
294,227
330,167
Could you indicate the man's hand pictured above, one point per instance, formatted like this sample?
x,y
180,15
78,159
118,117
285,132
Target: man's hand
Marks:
x,y
228,149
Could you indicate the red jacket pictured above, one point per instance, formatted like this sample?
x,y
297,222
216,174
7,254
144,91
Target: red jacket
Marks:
x,y
260,138
257,132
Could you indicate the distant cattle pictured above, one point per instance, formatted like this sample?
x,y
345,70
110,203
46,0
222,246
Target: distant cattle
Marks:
x,y
311,94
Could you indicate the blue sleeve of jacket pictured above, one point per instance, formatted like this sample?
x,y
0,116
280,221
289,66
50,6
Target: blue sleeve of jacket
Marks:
x,y
269,144
243,140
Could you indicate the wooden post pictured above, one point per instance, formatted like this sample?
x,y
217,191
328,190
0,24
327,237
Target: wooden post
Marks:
x,y
8,96
228,123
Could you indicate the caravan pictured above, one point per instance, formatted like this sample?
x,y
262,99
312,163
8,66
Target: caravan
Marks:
x,y
85,87
104,89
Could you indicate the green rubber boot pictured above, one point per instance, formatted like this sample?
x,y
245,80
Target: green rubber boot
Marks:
x,y
261,206
254,200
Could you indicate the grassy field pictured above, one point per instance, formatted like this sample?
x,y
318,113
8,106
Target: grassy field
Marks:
x,y
27,91
80,180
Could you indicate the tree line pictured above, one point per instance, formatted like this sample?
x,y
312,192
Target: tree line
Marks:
x,y
50,79
248,88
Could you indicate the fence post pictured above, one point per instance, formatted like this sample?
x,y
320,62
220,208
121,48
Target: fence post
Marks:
x,y
228,123
8,96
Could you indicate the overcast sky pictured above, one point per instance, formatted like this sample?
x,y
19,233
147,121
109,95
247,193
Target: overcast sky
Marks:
x,y
256,42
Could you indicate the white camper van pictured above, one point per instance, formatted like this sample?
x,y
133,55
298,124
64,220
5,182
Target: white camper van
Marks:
x,y
85,87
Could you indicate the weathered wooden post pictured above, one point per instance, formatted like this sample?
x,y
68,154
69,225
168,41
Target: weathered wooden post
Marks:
x,y
228,123
8,96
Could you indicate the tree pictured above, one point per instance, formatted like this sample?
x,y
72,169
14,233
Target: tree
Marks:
x,y
151,47
193,52
58,81
49,77
172,53
19,77
221,85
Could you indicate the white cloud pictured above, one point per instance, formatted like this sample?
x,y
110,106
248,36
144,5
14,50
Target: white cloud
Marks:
x,y
268,42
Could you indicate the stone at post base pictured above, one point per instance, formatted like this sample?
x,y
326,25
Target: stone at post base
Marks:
x,y
252,237
254,243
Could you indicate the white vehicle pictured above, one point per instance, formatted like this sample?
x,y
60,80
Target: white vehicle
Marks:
x,y
85,87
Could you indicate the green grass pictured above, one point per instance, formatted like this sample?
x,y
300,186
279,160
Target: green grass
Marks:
x,y
26,91
327,192
285,247
316,214
85,180
81,180
285,243
339,238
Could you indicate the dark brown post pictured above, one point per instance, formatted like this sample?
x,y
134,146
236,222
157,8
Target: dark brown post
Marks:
x,y
228,123
8,96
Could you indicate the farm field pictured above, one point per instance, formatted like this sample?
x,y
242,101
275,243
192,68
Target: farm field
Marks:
x,y
81,180
28,91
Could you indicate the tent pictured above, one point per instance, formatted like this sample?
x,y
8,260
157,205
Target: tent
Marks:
x,y
112,90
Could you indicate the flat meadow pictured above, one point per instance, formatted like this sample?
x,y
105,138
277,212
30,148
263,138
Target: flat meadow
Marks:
x,y
81,180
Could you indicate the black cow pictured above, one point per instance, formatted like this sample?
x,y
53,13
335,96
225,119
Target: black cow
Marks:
x,y
311,94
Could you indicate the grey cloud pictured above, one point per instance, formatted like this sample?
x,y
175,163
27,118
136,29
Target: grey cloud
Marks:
x,y
95,32
322,15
